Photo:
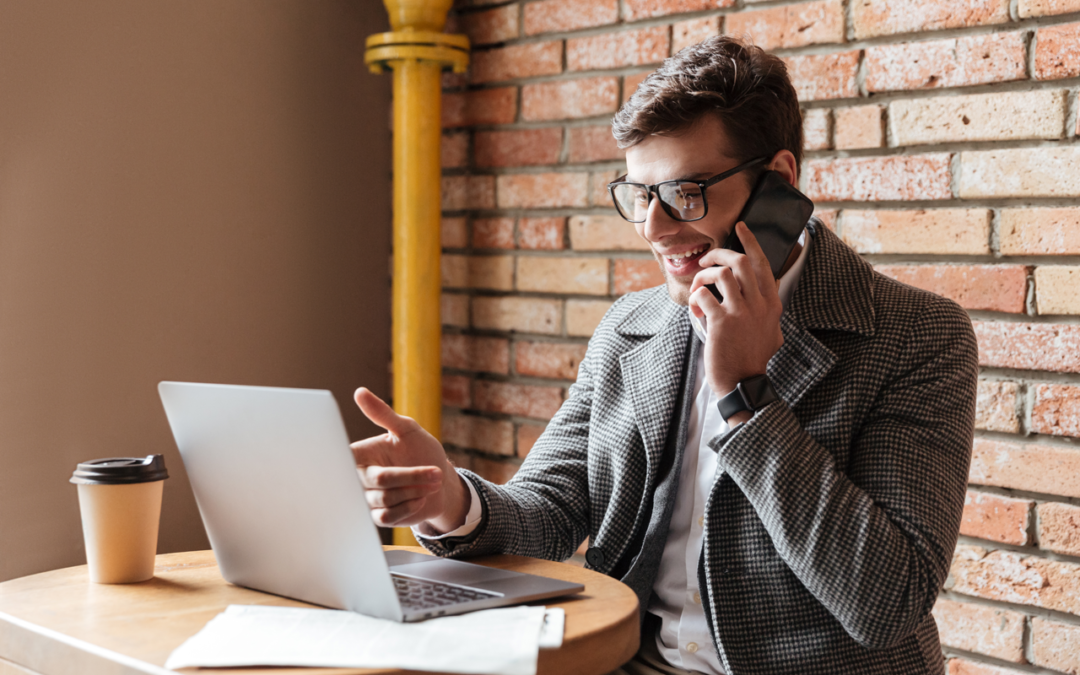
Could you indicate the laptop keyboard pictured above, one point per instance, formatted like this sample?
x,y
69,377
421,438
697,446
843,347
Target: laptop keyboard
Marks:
x,y
423,594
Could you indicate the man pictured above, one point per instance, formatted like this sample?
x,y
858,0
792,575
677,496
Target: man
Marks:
x,y
809,534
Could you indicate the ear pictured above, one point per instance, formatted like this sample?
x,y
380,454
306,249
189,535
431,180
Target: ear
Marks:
x,y
784,164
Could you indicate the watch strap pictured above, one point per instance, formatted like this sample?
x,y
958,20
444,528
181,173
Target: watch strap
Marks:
x,y
753,394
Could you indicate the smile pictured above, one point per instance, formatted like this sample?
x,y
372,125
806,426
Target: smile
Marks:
x,y
684,263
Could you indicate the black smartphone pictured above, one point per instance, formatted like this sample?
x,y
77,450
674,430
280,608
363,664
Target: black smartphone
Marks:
x,y
776,213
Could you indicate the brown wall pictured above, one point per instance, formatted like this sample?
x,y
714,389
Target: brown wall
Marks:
x,y
192,190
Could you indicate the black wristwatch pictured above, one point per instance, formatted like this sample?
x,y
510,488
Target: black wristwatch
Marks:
x,y
753,394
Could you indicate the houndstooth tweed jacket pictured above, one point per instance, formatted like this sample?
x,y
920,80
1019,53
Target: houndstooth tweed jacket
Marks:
x,y
831,528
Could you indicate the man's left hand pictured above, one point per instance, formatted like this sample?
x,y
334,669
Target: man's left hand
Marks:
x,y
743,332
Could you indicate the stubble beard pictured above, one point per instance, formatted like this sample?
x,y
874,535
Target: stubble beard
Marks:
x,y
678,290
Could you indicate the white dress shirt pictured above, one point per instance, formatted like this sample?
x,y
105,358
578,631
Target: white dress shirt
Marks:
x,y
684,639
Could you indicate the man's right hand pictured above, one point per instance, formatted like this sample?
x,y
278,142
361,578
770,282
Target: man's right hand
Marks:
x,y
405,472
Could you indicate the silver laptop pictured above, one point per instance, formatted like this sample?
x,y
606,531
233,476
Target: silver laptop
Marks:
x,y
284,508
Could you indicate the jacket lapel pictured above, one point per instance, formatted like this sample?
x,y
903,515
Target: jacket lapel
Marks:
x,y
653,371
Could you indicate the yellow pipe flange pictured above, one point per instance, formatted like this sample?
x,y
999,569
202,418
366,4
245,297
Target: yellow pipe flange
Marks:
x,y
450,51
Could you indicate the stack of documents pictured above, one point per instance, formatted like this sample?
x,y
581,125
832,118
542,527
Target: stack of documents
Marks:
x,y
503,641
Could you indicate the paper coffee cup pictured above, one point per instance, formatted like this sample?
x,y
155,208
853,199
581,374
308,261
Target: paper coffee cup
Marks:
x,y
120,503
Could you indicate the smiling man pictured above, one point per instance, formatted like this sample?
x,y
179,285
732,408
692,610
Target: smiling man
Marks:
x,y
805,528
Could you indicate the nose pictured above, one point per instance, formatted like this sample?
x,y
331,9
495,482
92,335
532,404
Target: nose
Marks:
x,y
658,224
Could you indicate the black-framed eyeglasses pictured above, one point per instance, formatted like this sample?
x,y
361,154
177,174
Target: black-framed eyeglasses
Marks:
x,y
683,200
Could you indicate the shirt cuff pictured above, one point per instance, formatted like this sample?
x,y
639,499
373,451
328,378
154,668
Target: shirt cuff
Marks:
x,y
472,519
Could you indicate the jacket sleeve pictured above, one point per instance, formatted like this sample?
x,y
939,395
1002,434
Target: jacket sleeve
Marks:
x,y
873,544
543,512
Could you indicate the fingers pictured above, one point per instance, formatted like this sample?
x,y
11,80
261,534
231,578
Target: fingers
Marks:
x,y
390,477
380,413
385,499
401,515
758,260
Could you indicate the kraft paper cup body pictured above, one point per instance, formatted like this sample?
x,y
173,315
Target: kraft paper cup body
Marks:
x,y
120,527
120,503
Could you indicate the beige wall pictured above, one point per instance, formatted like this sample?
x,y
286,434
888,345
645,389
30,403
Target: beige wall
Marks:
x,y
191,190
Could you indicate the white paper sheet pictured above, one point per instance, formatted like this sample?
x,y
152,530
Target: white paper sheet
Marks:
x,y
502,641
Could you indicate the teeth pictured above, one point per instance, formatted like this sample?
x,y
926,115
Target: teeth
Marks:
x,y
680,256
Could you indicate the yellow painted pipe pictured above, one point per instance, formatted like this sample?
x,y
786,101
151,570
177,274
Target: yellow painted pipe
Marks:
x,y
417,54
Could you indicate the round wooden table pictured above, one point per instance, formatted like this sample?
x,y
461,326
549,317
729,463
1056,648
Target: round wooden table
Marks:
x,y
58,622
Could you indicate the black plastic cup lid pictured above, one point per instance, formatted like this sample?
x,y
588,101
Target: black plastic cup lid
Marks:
x,y
121,470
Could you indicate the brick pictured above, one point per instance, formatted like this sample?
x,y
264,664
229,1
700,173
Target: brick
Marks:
x,y
1040,231
1057,52
644,9
565,15
541,233
1007,116
788,26
1029,8
1055,645
459,459
996,406
1020,172
941,231
456,391
527,435
587,276
871,18
497,471
859,127
1029,346
593,144
604,233
454,310
631,82
636,275
493,233
542,190
980,629
1047,469
995,288
1059,528
479,433
453,233
583,316
519,147
824,76
569,99
598,182
1057,289
959,62
485,106
617,50
1012,577
517,61
996,518
451,80
554,360
468,192
817,124
686,33
895,178
827,217
525,400
471,352
454,150
490,26
495,273
965,667
525,315
1056,410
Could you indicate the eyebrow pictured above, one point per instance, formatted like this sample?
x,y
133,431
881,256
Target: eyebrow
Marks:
x,y
693,176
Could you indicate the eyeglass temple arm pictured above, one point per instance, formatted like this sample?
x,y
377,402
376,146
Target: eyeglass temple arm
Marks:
x,y
731,172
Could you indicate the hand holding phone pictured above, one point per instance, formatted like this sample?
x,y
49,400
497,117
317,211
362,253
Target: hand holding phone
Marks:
x,y
776,213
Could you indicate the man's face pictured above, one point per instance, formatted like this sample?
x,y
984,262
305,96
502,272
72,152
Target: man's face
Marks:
x,y
697,153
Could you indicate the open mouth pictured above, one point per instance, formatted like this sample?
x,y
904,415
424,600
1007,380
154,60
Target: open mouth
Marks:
x,y
682,264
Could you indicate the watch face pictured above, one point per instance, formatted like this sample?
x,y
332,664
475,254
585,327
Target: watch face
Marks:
x,y
757,391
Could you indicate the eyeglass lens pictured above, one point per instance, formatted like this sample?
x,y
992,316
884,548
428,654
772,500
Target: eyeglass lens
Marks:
x,y
683,200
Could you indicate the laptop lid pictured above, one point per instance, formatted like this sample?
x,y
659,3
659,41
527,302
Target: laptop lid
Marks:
x,y
279,494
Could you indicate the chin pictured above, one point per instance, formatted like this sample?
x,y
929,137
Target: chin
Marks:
x,y
679,292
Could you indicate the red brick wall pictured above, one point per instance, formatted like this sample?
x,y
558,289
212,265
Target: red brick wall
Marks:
x,y
941,139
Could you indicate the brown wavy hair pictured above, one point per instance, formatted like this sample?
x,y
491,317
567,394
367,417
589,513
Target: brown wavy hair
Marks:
x,y
746,87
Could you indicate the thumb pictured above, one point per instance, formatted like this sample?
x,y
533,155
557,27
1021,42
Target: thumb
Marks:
x,y
380,413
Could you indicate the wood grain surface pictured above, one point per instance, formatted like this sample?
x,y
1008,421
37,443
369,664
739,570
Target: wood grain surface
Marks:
x,y
55,623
